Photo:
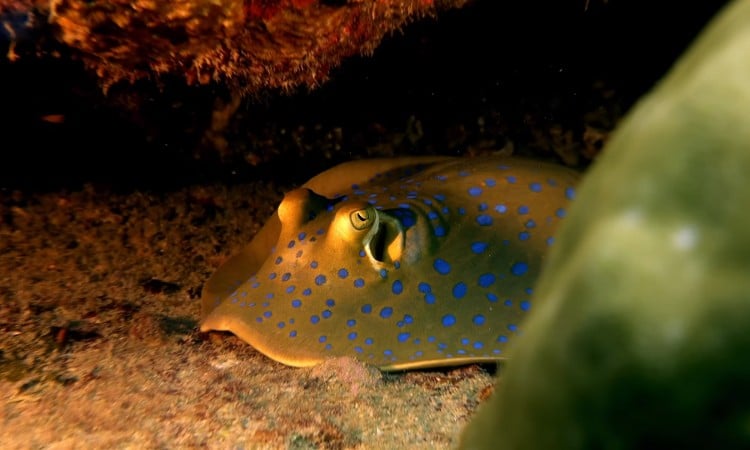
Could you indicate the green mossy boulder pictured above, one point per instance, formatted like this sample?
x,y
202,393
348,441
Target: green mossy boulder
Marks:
x,y
642,336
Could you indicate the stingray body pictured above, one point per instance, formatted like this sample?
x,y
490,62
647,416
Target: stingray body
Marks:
x,y
402,263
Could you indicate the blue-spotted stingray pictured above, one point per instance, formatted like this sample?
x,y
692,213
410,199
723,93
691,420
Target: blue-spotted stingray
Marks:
x,y
403,263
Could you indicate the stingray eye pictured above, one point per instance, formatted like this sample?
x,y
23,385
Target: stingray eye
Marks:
x,y
362,219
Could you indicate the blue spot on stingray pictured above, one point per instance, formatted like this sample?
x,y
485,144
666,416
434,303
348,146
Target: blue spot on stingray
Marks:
x,y
424,287
408,319
301,236
314,319
326,313
441,177
256,284
479,247
267,314
272,276
482,207
359,282
322,339
439,231
362,253
528,291
286,276
525,305
386,312
490,182
461,211
358,349
290,245
314,264
432,215
366,308
478,320
475,191
446,210
448,320
427,201
570,193
502,339
330,303
478,345
290,289
269,295
524,236
281,324
530,223
501,208
320,280
550,240
486,280
397,264
463,173
511,179
492,297
293,333
259,319
519,268
352,336
431,339
535,187
484,220
459,290
369,341
343,273
397,287
403,337
513,327
387,352
321,231
307,292
383,273
429,298
560,212
523,209
465,341
441,266
508,302
439,197
278,260
351,322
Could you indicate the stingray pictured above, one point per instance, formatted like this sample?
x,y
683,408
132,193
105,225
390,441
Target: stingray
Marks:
x,y
402,263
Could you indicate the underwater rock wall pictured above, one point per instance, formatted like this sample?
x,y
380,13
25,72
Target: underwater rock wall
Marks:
x,y
642,338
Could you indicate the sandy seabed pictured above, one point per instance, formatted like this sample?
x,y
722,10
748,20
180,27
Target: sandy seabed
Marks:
x,y
99,347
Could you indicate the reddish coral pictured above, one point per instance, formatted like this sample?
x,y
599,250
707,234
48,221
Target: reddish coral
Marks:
x,y
249,44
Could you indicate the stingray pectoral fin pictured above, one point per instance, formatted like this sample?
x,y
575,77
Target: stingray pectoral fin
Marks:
x,y
225,320
240,266
340,178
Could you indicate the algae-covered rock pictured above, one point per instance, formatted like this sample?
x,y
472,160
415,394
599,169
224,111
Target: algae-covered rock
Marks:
x,y
643,339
